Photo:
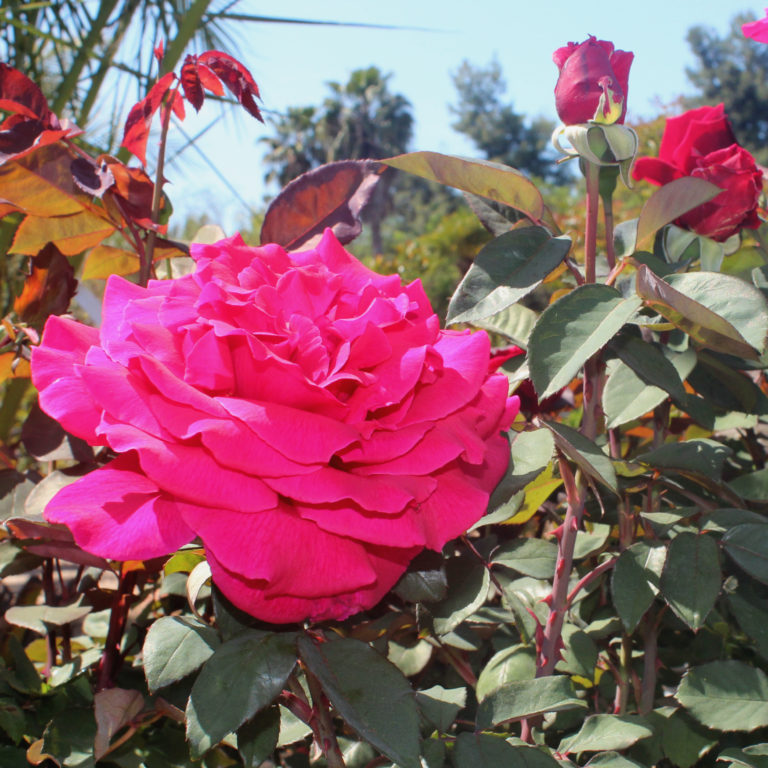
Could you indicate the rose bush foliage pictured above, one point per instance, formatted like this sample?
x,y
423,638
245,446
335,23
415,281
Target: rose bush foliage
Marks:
x,y
305,417
593,82
701,143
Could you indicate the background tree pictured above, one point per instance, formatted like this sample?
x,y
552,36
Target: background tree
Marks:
x,y
500,133
733,70
359,119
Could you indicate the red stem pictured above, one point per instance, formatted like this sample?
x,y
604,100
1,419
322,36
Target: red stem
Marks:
x,y
111,659
592,174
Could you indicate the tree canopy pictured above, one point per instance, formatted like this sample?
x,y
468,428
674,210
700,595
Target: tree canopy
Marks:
x,y
733,70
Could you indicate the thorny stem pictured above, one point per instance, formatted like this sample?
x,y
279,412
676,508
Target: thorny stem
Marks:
x,y
157,192
111,659
322,725
586,580
558,600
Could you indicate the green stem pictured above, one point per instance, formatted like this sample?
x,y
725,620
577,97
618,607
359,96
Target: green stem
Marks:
x,y
592,174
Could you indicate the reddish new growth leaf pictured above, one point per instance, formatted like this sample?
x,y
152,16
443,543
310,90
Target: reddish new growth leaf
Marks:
x,y
31,123
159,51
140,117
213,66
133,189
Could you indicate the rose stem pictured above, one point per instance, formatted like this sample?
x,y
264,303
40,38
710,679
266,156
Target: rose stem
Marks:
x,y
558,605
157,192
50,599
323,725
110,659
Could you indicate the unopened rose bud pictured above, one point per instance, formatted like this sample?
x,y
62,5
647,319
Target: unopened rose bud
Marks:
x,y
593,82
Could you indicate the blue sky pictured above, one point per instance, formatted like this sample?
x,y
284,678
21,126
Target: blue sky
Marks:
x,y
291,64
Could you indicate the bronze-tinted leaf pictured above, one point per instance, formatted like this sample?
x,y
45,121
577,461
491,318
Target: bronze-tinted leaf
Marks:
x,y
48,288
71,234
19,95
140,117
332,196
105,260
235,76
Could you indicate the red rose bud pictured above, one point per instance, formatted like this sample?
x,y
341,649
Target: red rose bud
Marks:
x,y
593,82
701,143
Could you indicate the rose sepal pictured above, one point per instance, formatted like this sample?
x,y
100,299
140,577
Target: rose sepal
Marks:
x,y
603,145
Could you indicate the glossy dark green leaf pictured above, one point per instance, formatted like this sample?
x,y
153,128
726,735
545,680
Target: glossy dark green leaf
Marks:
x,y
425,579
524,698
579,653
727,695
12,719
39,617
228,691
585,454
606,732
533,557
702,456
384,713
504,271
740,757
635,581
726,388
70,736
468,582
612,759
650,363
691,579
752,486
750,607
747,544
515,323
176,646
571,330
441,705
684,741
668,203
517,662
257,737
485,750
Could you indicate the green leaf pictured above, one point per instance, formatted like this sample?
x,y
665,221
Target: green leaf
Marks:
x,y
701,456
480,177
12,719
524,698
227,692
747,544
736,756
750,608
726,388
727,695
504,271
734,299
606,732
257,737
385,713
670,202
468,582
752,486
410,660
533,557
732,320
571,330
612,760
174,648
591,541
517,662
579,653
441,705
515,323
70,736
635,581
650,363
691,579
584,453
684,741
39,617
485,750
424,581
531,453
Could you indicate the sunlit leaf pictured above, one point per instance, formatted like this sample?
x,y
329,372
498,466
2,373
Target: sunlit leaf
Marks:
x,y
105,260
70,234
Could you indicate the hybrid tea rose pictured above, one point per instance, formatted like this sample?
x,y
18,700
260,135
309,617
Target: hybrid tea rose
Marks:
x,y
305,417
593,82
701,143
757,30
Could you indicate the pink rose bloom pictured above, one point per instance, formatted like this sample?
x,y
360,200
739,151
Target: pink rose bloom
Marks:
x,y
757,30
304,417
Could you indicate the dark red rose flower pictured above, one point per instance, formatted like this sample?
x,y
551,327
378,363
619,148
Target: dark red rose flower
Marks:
x,y
593,82
701,143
